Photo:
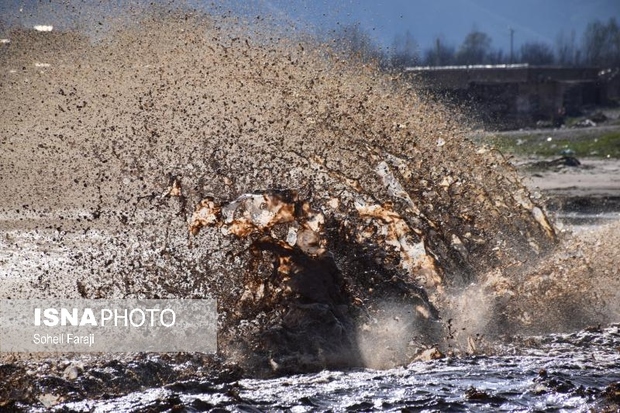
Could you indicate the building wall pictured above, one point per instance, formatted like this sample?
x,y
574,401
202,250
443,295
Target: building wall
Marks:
x,y
519,95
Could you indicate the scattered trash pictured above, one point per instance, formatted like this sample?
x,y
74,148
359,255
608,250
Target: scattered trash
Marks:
x,y
599,117
43,28
585,123
562,161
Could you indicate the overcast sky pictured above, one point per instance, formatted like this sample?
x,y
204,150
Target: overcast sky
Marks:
x,y
531,20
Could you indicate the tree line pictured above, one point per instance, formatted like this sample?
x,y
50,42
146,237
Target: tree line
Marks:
x,y
598,46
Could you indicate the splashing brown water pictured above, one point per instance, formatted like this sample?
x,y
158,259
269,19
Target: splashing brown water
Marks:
x,y
389,220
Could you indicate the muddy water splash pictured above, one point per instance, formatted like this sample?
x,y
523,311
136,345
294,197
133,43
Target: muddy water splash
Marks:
x,y
340,218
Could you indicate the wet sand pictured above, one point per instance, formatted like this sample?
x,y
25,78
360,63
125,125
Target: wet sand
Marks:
x,y
594,177
581,197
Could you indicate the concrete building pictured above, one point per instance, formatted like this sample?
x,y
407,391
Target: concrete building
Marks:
x,y
509,96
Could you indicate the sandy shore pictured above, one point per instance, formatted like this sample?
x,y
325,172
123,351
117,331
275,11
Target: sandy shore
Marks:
x,y
594,178
581,197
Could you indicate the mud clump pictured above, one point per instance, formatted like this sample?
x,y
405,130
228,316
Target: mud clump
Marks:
x,y
44,382
179,158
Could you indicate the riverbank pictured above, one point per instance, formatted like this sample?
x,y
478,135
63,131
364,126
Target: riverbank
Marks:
x,y
581,194
574,171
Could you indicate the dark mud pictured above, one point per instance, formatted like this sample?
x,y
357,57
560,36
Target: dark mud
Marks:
x,y
340,218
46,381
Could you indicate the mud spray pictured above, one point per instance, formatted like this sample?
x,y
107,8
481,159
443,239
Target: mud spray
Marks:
x,y
339,217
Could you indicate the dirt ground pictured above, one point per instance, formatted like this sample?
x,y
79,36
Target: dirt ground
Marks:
x,y
594,177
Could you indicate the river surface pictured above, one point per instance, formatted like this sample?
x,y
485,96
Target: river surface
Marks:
x,y
559,372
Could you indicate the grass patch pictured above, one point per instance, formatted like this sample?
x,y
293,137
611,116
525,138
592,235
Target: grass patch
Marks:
x,y
606,145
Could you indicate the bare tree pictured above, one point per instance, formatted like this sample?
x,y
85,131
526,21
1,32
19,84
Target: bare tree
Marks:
x,y
536,53
496,57
475,49
404,51
567,51
601,43
355,42
440,55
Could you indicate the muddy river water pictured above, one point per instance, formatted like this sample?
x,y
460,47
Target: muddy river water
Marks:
x,y
558,372
578,371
